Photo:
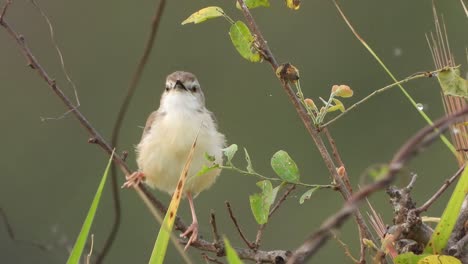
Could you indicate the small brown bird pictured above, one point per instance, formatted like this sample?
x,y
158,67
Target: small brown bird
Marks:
x,y
167,139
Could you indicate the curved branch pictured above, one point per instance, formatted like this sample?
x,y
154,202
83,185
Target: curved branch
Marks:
x,y
118,124
423,138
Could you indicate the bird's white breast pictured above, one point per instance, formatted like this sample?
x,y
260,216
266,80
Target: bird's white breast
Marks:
x,y
163,151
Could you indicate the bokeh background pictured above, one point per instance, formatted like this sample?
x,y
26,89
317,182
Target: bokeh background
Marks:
x,y
50,173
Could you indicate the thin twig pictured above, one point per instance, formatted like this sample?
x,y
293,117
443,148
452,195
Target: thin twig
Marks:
x,y
12,235
214,228
118,124
439,192
88,257
234,220
345,247
282,199
209,259
405,153
4,9
376,92
364,231
154,205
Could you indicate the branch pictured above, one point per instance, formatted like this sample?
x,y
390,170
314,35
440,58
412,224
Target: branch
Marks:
x,y
234,220
424,137
436,195
364,231
260,230
118,125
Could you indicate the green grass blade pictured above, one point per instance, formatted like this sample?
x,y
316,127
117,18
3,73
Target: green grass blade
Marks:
x,y
407,95
449,217
83,236
160,246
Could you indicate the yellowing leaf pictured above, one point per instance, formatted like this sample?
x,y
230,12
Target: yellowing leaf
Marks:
x,y
293,4
452,84
254,3
338,106
342,91
243,41
204,14
439,259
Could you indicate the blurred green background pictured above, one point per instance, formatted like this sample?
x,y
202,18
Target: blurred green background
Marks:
x,y
50,173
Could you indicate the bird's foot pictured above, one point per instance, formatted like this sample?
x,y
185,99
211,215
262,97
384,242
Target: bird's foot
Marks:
x,y
134,180
192,230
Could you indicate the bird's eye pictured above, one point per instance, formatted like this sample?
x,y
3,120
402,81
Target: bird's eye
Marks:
x,y
167,88
195,89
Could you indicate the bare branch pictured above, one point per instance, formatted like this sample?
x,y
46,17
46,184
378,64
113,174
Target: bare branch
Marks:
x,y
153,204
234,220
118,124
364,231
439,192
261,228
424,137
214,228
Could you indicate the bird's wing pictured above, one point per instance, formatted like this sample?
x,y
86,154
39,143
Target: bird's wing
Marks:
x,y
150,121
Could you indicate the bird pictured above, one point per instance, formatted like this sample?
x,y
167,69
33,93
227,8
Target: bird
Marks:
x,y
167,139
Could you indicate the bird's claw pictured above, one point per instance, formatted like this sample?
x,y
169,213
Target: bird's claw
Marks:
x,y
134,179
192,230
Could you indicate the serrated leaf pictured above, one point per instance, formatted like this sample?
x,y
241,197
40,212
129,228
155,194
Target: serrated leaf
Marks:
x,y
307,195
249,162
285,167
452,83
243,40
293,4
204,14
254,3
260,203
231,254
229,152
338,106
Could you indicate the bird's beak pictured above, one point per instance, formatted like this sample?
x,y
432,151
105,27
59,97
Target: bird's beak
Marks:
x,y
179,85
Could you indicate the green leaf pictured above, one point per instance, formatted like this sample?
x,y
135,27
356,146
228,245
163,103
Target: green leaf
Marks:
x,y
204,170
308,194
444,228
204,14
254,3
408,258
260,203
452,84
243,41
231,254
229,152
249,162
285,167
338,106
80,243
